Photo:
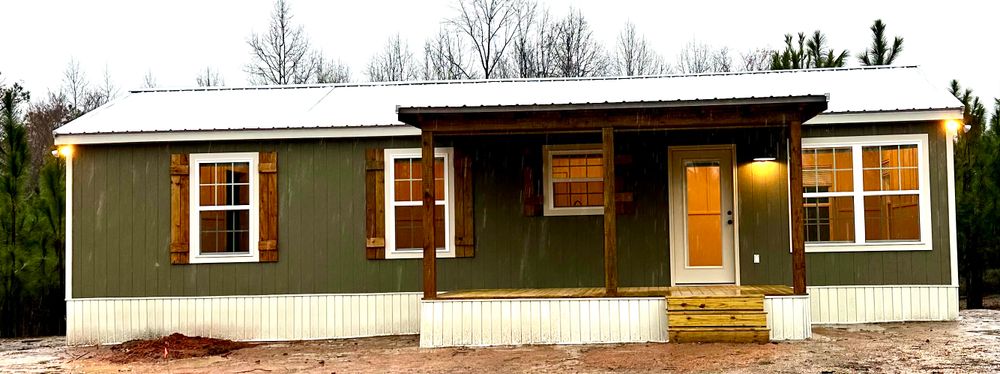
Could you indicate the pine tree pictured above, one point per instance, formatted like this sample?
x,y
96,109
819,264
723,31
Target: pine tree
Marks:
x,y
14,169
880,52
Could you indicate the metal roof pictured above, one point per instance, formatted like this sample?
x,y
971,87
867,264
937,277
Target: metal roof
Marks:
x,y
374,105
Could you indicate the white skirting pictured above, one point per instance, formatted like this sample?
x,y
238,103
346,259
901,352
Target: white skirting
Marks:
x,y
788,317
446,323
270,317
866,304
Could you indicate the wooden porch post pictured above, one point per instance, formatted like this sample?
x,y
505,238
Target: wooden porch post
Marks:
x,y
427,182
610,225
795,200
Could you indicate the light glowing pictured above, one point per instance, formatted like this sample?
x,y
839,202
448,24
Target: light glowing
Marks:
x,y
952,125
764,159
66,151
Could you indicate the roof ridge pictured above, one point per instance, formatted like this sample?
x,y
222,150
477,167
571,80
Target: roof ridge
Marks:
x,y
510,80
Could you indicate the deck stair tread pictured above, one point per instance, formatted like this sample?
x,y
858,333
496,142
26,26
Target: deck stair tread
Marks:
x,y
717,318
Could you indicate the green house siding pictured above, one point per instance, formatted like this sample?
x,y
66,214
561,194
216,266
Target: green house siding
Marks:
x,y
121,215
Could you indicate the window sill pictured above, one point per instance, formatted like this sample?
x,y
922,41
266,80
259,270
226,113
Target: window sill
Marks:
x,y
224,259
875,247
588,211
410,255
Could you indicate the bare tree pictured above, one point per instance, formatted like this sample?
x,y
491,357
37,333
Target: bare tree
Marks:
x,y
696,58
394,63
491,26
209,78
575,51
281,55
74,83
445,57
328,70
531,51
42,118
634,56
148,80
755,60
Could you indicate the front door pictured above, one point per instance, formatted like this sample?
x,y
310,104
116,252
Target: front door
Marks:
x,y
702,218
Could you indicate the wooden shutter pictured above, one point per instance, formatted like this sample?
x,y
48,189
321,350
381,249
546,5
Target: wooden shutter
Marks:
x,y
464,229
624,184
531,179
180,217
267,170
375,204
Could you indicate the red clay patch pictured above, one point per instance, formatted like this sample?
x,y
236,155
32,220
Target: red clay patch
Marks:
x,y
175,346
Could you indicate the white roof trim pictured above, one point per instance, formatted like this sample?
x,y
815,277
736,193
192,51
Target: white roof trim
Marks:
x,y
894,116
224,135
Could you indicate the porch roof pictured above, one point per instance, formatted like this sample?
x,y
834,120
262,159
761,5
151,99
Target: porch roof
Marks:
x,y
370,109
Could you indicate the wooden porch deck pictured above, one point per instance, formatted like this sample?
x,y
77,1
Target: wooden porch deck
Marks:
x,y
585,292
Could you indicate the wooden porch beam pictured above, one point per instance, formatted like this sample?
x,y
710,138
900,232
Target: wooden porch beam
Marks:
x,y
795,200
427,182
610,224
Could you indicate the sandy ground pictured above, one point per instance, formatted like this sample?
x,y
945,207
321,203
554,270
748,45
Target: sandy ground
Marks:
x,y
971,344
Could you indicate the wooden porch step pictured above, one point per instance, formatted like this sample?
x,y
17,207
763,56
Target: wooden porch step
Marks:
x,y
719,335
708,302
717,319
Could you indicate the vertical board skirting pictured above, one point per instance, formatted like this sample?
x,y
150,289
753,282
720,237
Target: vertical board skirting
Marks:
x,y
263,318
867,304
788,317
486,322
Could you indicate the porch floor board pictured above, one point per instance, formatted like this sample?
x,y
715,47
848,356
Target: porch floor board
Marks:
x,y
583,292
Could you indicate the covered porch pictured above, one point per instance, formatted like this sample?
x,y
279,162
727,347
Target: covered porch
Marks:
x,y
613,313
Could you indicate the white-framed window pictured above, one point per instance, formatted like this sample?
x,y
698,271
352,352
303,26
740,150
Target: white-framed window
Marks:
x,y
404,205
224,207
866,193
573,177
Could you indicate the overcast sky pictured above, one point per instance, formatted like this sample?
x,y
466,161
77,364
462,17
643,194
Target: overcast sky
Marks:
x,y
175,39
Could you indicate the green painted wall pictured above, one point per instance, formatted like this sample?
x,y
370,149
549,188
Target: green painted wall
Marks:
x,y
121,222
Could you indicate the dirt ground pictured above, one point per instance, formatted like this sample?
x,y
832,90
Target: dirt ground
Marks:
x,y
971,344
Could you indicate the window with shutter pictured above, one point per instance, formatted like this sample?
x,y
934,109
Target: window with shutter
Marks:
x,y
221,204
393,204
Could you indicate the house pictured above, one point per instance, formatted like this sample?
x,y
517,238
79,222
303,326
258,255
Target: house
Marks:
x,y
588,210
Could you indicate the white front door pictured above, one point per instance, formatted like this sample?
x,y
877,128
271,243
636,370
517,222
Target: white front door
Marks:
x,y
702,218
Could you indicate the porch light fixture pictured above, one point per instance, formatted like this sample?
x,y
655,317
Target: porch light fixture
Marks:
x,y
64,151
953,126
764,159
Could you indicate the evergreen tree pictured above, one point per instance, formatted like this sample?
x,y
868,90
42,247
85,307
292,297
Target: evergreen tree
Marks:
x,y
805,54
977,173
14,169
880,52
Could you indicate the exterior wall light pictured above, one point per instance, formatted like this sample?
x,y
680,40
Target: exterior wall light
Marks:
x,y
63,151
953,125
763,159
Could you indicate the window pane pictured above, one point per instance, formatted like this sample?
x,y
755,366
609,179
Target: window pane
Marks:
x,y
829,219
408,185
890,167
225,183
225,231
892,218
577,194
409,227
827,170
577,166
704,214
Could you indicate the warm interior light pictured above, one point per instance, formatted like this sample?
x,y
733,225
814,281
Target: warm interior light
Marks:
x,y
952,125
763,159
66,151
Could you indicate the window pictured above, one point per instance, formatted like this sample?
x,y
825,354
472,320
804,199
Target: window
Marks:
x,y
866,193
404,206
224,207
574,180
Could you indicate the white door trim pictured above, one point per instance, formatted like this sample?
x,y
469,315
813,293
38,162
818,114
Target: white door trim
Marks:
x,y
673,224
